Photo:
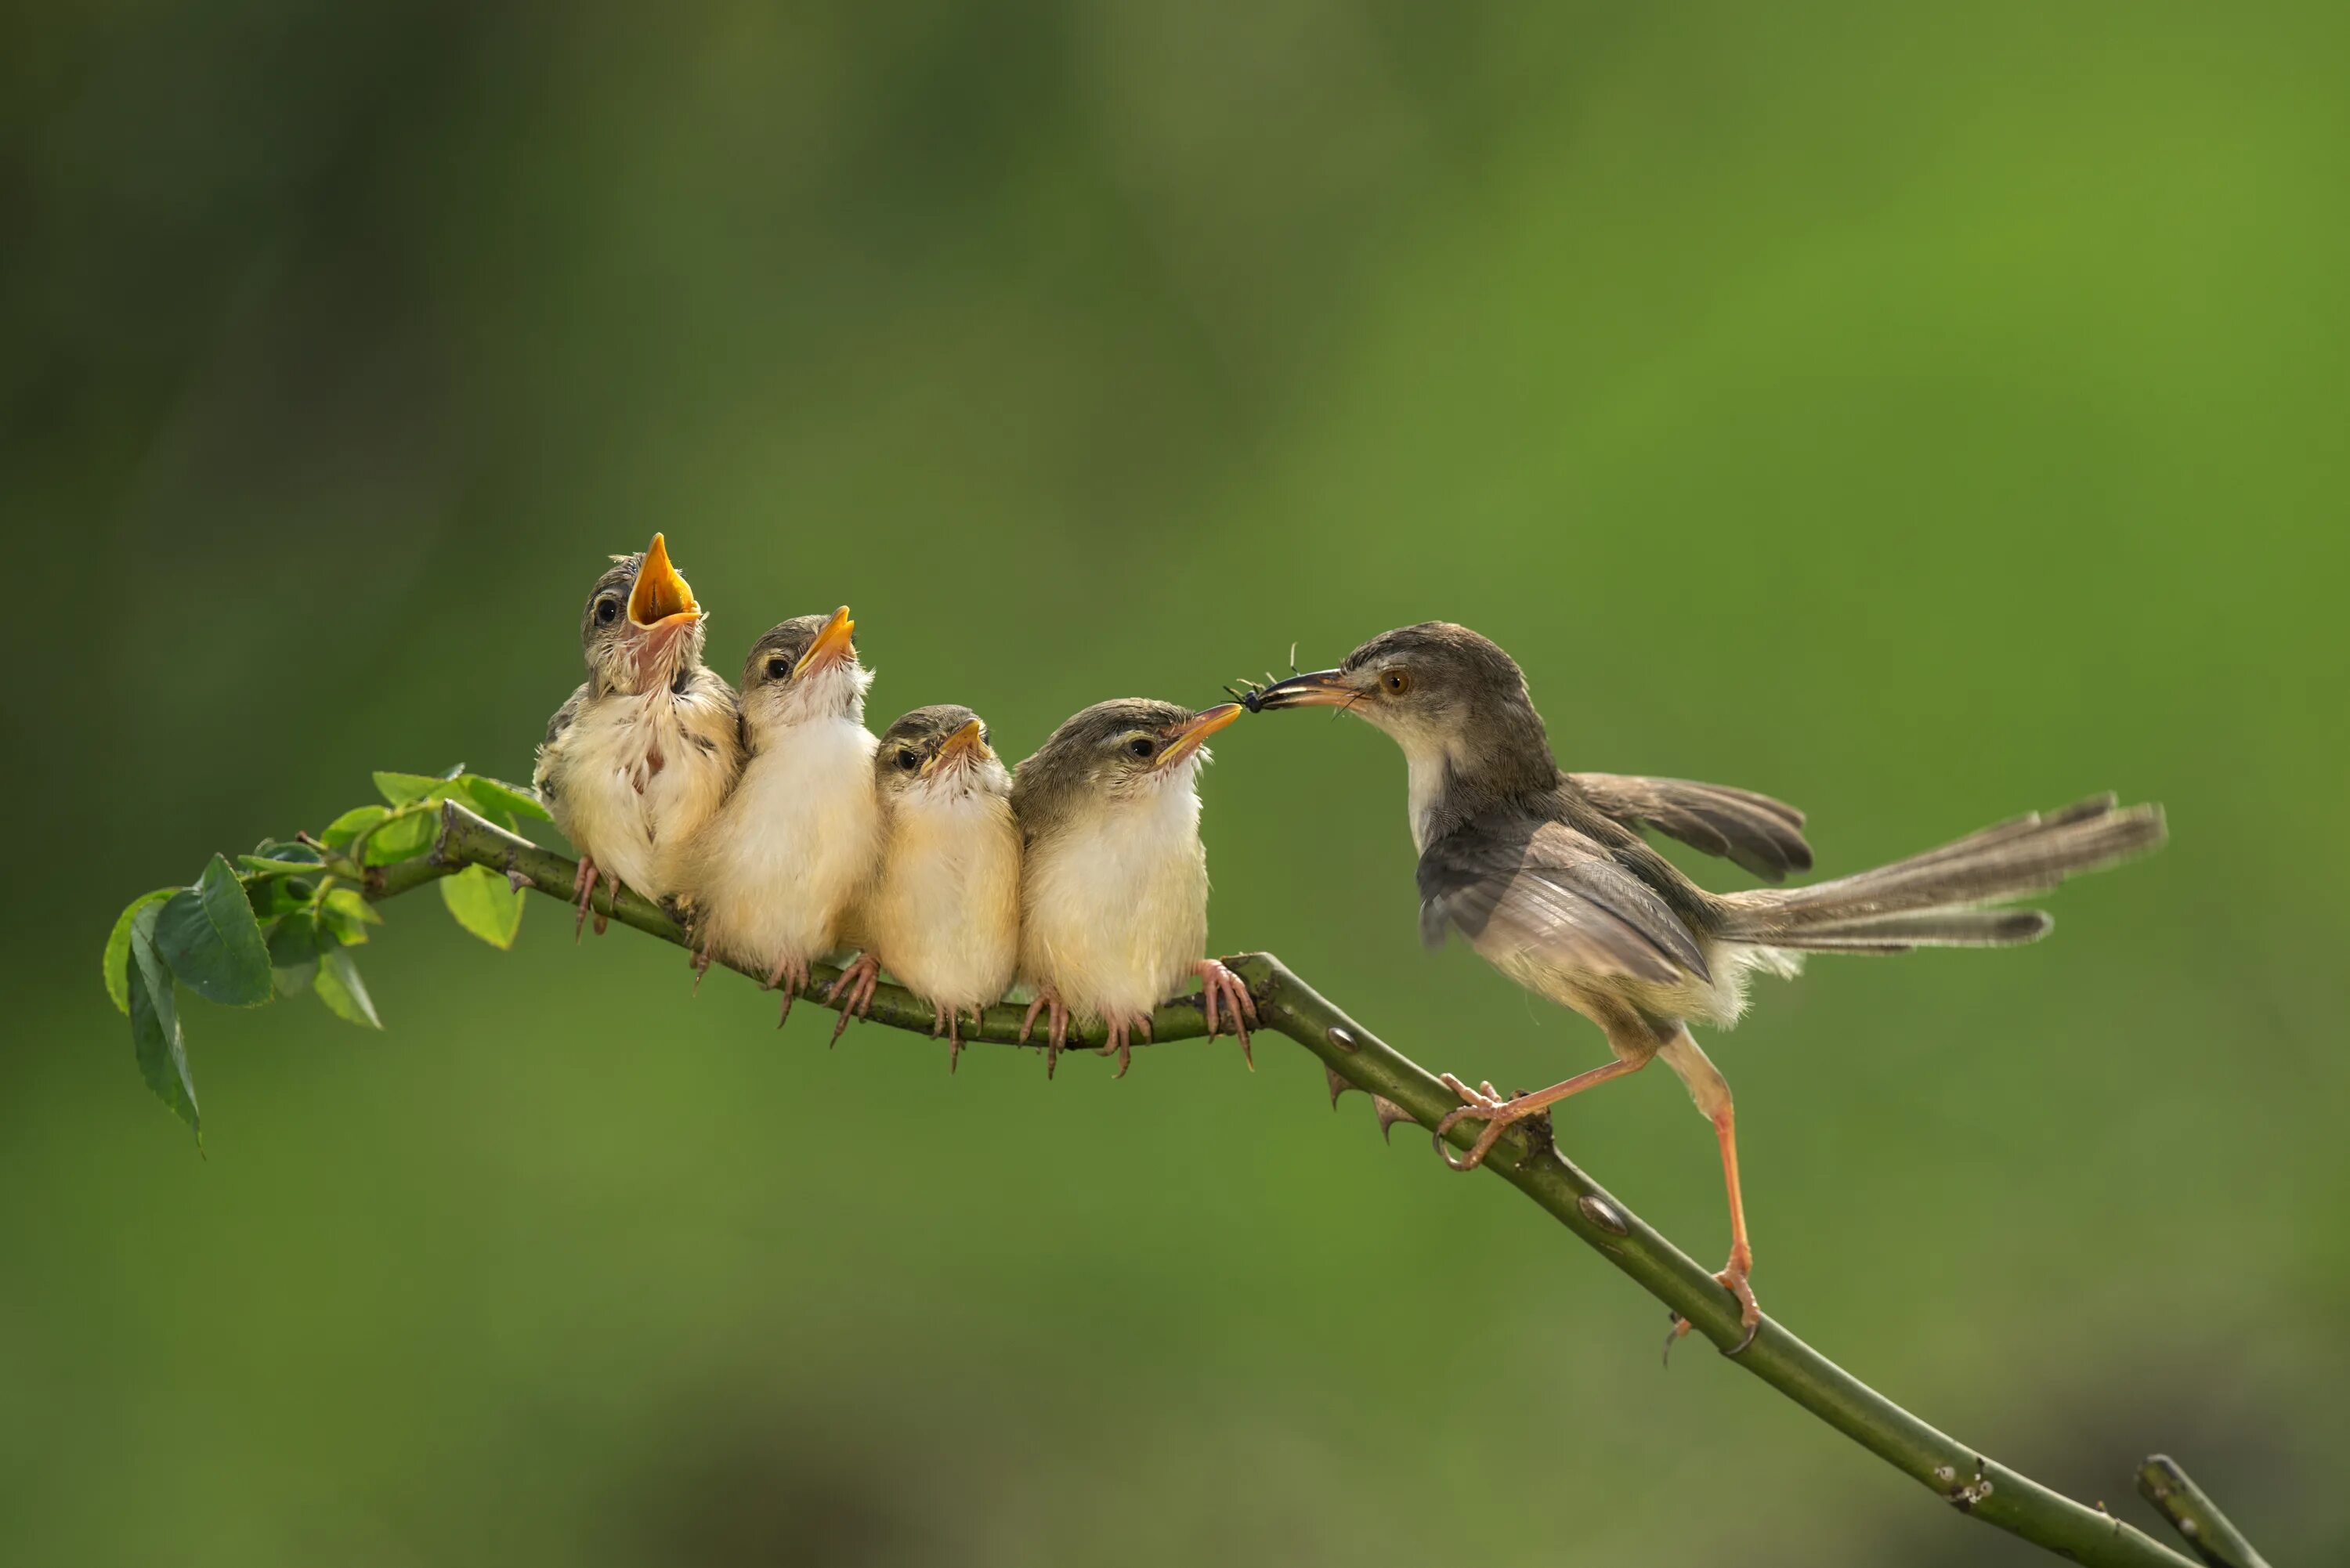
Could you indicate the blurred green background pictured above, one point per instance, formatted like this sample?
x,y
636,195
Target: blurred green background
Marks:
x,y
1923,414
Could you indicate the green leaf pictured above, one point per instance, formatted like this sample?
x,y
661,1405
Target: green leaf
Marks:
x,y
339,987
347,916
293,943
351,824
401,788
118,946
402,838
484,903
209,937
161,1049
491,796
263,866
281,850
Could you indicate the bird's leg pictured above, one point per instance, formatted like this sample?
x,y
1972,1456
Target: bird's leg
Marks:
x,y
1482,1104
1711,1090
857,979
583,887
791,973
1217,984
1056,1025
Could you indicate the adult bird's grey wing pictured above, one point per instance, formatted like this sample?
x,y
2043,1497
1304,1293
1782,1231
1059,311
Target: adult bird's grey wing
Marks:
x,y
1521,885
1762,834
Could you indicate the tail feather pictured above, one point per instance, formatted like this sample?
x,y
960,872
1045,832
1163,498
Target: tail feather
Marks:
x,y
1934,899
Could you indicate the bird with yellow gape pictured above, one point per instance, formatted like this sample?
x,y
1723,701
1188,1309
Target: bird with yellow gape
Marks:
x,y
781,831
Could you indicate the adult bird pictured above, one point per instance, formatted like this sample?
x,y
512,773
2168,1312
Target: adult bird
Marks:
x,y
1548,876
647,747
1113,877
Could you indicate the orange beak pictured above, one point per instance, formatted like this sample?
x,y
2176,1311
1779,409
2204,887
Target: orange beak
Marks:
x,y
661,595
963,745
1191,736
832,644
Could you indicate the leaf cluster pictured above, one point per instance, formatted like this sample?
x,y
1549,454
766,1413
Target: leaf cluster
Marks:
x,y
283,919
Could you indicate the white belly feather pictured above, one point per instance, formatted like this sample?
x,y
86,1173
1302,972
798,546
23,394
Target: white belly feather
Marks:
x,y
944,917
774,871
639,776
1113,908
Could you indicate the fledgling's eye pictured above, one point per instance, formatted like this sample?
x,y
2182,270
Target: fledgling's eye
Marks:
x,y
777,669
906,761
608,610
1397,682
1142,746
984,737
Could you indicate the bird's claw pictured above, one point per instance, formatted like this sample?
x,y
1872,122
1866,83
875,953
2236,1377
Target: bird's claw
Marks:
x,y
1119,1040
583,890
700,964
857,981
1057,1026
1733,1279
1483,1103
791,976
1219,988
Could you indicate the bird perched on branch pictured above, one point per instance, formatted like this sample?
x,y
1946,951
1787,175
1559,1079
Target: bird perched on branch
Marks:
x,y
1113,877
943,912
771,876
643,753
1548,876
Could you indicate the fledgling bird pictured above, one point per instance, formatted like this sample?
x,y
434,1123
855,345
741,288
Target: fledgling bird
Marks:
x,y
644,752
1546,874
943,912
1113,877
771,876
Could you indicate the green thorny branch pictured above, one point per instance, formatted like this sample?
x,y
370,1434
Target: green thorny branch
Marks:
x,y
282,919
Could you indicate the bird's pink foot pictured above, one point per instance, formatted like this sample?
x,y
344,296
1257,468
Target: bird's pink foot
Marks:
x,y
948,1021
791,976
1119,1041
1056,1025
1220,986
583,888
1486,1104
1732,1278
857,982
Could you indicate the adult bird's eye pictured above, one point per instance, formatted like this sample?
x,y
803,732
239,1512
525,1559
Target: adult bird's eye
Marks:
x,y
907,761
608,610
777,669
1140,746
1395,682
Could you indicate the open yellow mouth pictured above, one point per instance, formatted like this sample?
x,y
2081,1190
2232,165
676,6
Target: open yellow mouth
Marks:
x,y
834,643
661,593
964,745
1189,737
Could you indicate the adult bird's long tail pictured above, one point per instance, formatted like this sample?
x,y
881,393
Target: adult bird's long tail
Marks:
x,y
1936,899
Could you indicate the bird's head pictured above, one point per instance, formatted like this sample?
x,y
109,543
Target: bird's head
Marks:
x,y
641,628
1127,751
804,670
938,755
1441,691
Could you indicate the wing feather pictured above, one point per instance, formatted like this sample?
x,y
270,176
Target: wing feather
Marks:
x,y
1540,890
1762,834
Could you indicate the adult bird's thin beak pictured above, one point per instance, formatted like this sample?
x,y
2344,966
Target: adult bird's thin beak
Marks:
x,y
1321,688
832,644
1191,735
660,597
964,744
